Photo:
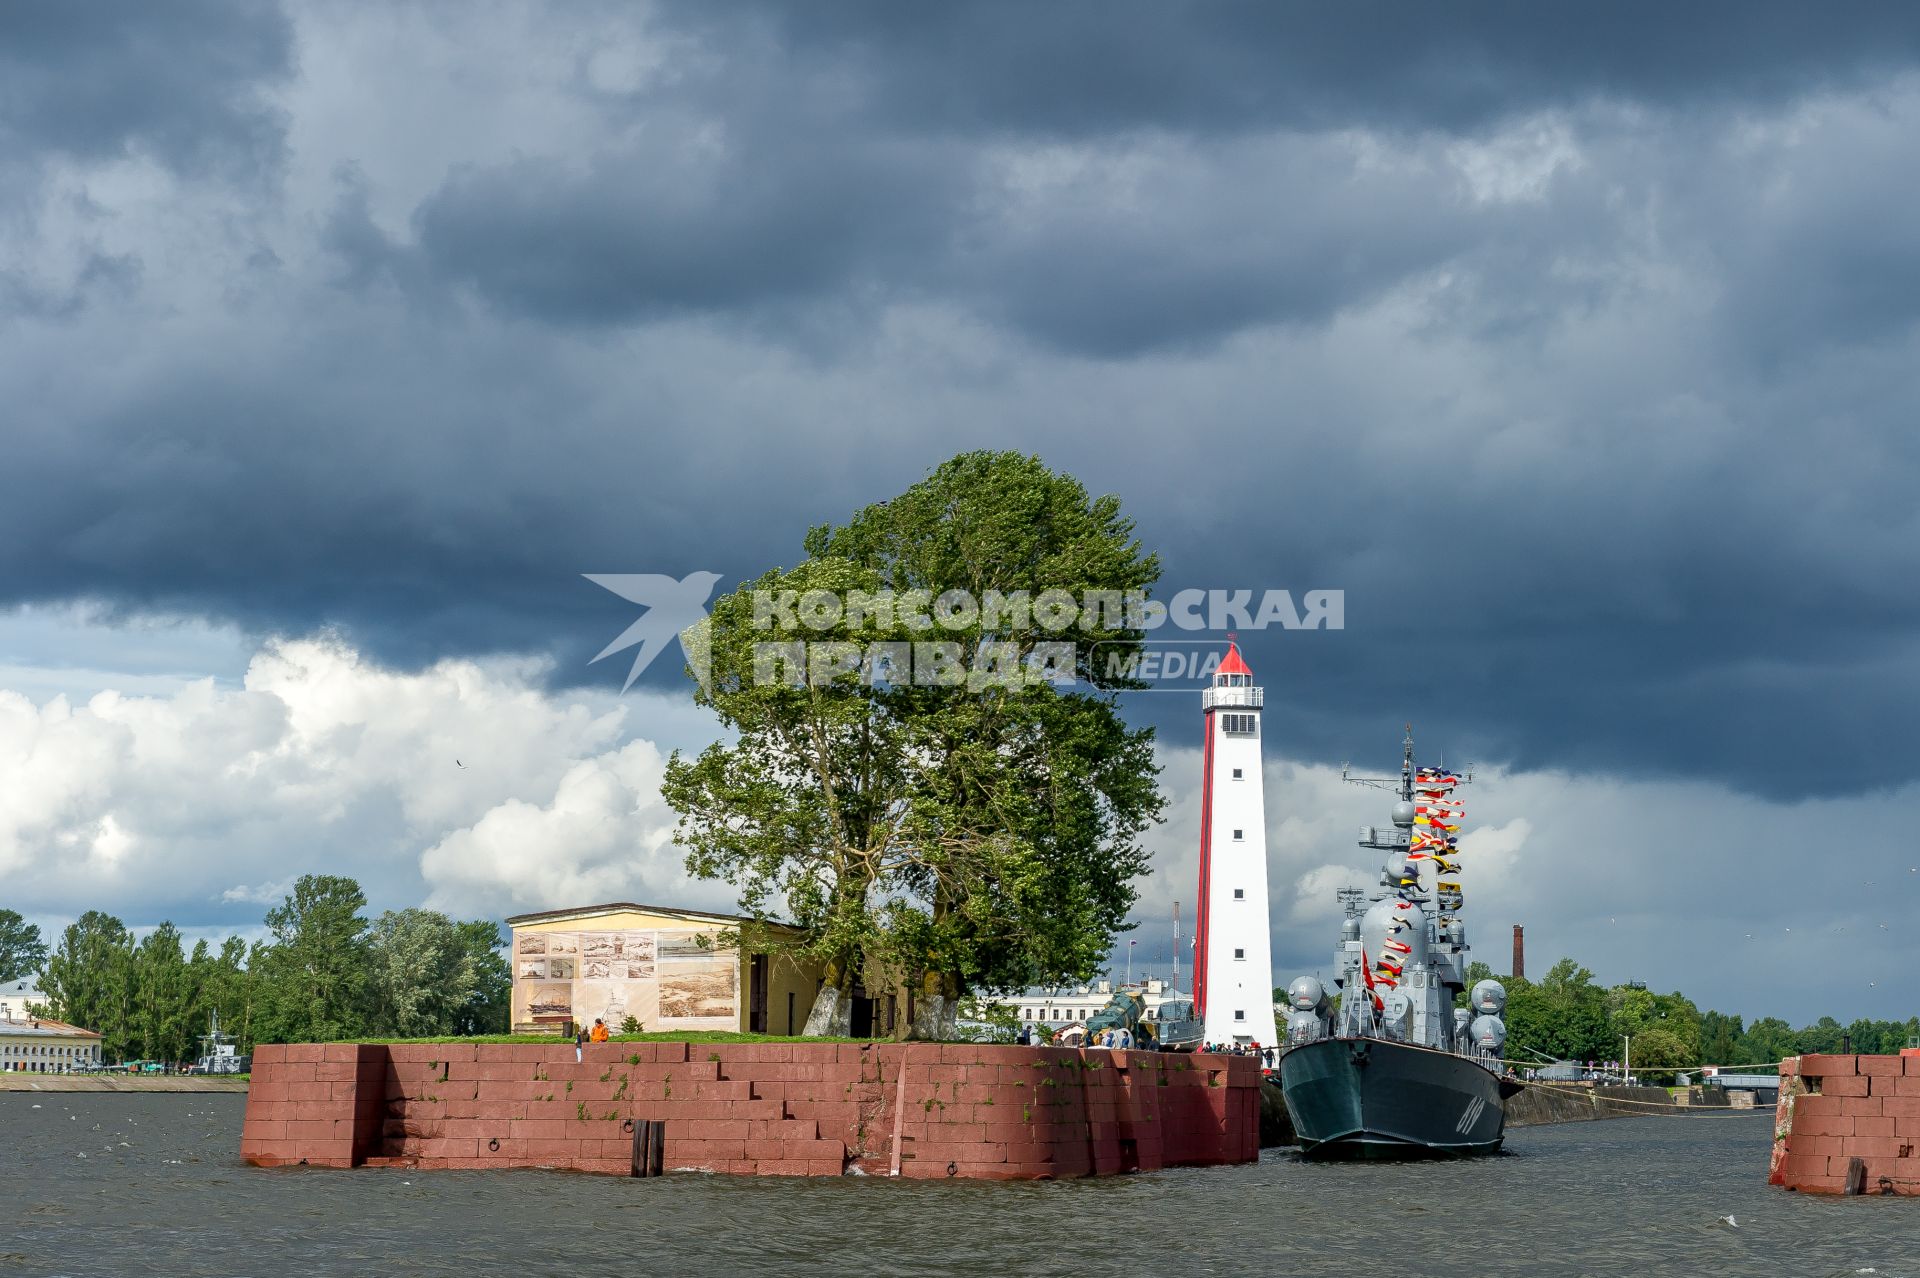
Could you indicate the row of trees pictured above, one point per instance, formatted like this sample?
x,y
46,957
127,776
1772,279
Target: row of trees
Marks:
x,y
324,972
1565,1015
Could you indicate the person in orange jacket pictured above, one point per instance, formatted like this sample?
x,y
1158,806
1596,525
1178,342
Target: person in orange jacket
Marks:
x,y
599,1032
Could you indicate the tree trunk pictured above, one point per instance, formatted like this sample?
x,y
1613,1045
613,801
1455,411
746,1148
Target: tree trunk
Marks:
x,y
936,1011
832,1014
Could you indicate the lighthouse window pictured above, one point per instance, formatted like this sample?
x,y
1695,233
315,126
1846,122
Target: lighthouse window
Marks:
x,y
1236,774
1239,953
1239,1015
1239,894
1238,835
1240,725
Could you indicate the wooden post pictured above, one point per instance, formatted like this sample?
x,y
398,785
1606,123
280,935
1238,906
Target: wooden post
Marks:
x,y
1856,1177
639,1163
656,1146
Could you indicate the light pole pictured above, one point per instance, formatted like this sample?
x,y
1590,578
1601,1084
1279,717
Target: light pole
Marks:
x,y
1130,945
1626,1059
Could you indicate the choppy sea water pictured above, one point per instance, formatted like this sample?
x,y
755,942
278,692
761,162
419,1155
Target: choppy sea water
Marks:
x,y
105,1184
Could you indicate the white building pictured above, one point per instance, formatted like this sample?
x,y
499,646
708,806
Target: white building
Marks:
x,y
36,1045
1233,959
1056,1007
16,997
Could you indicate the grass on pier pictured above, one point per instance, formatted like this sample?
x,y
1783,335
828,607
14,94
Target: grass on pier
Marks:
x,y
680,1036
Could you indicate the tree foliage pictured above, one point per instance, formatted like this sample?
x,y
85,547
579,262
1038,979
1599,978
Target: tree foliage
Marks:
x,y
978,837
22,949
325,973
1565,1016
420,974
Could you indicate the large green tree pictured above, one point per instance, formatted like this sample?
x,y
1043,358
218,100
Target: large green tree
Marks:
x,y
22,951
487,1009
978,834
313,974
421,974
165,1000
226,987
1563,1016
88,980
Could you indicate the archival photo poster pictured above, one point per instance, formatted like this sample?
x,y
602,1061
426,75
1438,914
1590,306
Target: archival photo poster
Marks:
x,y
665,980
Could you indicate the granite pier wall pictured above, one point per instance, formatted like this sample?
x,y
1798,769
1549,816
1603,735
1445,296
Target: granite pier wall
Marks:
x,y
927,1110
1836,1109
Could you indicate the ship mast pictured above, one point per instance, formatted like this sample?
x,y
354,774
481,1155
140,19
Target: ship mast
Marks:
x,y
1176,949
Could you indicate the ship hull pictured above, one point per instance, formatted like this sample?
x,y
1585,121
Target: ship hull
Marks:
x,y
1371,1098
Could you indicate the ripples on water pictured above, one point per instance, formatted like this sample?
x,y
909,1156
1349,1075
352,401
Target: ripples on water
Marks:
x,y
161,1191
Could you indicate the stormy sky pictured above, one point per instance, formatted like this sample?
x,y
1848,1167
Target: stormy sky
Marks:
x,y
1576,347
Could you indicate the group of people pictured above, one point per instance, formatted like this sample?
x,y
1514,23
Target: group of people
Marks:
x,y
1269,1056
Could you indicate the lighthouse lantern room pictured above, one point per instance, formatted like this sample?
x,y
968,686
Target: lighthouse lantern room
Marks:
x,y
1233,960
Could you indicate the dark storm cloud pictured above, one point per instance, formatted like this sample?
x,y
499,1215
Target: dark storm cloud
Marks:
x,y
677,225
1614,470
1089,68
181,81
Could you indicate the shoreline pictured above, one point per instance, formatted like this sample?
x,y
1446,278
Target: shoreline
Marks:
x,y
19,1082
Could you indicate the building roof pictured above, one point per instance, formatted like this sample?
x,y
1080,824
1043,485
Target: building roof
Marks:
x,y
1233,662
42,1026
614,907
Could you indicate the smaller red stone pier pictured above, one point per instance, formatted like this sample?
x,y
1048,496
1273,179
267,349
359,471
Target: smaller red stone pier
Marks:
x,y
1836,1109
926,1110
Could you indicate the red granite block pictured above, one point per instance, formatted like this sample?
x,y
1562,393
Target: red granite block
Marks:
x,y
1827,1065
1879,1066
1890,1106
1844,1085
717,1129
782,1167
1872,1127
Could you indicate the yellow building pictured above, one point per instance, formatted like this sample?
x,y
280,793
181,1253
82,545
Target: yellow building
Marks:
x,y
38,1045
668,969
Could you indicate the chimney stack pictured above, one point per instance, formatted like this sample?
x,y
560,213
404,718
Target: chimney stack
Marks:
x,y
1519,952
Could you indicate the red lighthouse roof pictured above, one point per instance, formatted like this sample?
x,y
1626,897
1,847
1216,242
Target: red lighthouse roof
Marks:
x,y
1232,663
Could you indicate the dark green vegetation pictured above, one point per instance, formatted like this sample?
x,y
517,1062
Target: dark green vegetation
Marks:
x,y
675,1036
947,838
1566,1016
326,972
21,949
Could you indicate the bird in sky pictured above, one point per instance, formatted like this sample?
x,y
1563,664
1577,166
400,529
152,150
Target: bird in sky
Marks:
x,y
460,765
671,606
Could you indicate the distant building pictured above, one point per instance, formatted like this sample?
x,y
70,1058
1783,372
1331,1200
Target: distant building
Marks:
x,y
39,1045
668,969
18,998
1058,1006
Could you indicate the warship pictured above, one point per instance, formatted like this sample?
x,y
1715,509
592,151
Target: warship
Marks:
x,y
1397,1071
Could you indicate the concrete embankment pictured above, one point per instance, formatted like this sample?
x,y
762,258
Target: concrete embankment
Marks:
x,y
21,1082
1544,1103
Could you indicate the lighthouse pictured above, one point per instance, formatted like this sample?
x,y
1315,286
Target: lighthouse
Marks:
x,y
1233,960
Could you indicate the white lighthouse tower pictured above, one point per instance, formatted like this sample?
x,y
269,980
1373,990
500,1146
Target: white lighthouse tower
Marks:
x,y
1233,960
